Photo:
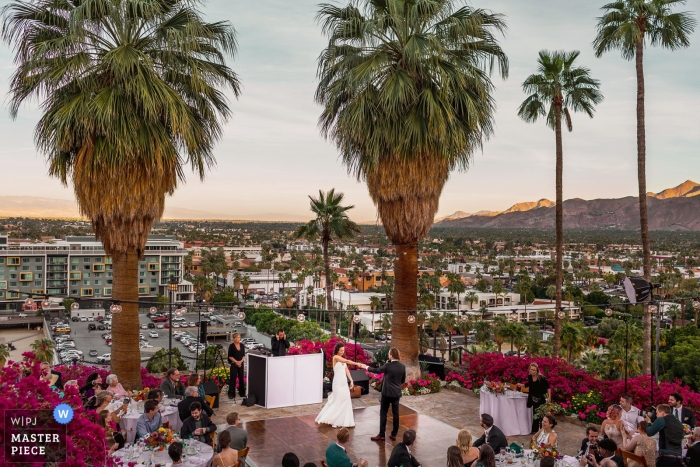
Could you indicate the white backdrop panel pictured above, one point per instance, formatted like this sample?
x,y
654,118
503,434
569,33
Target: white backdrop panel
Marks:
x,y
309,379
280,382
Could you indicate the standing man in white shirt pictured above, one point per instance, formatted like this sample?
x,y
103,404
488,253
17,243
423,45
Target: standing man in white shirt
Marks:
x,y
630,415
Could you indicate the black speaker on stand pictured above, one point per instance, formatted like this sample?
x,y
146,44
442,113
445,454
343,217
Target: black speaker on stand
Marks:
x,y
203,331
360,378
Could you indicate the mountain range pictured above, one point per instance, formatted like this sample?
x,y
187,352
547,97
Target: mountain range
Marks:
x,y
676,208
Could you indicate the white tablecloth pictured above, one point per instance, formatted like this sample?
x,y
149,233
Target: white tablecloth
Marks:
x,y
130,420
509,412
161,457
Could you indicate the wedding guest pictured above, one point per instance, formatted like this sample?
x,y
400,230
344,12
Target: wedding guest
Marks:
x,y
172,386
641,445
684,414
630,415
693,457
150,420
546,437
538,392
401,454
112,445
72,382
112,428
487,458
197,425
336,454
290,460
196,380
46,366
236,358
115,387
227,456
613,427
547,462
175,452
156,395
670,431
493,436
606,449
103,399
93,384
590,441
469,453
239,436
183,407
454,457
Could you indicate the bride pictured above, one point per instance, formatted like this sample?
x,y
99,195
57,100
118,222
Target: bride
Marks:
x,y
338,410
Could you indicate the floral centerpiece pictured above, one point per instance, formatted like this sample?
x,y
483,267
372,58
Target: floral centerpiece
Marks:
x,y
549,408
494,387
687,430
541,450
141,395
160,439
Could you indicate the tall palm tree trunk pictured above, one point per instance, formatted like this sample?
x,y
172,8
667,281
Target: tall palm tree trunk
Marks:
x,y
126,353
643,216
559,225
329,285
405,334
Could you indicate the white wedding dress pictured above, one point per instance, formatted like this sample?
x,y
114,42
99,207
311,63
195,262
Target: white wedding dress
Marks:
x,y
338,410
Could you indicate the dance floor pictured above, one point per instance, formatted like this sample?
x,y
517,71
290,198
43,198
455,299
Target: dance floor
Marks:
x,y
270,439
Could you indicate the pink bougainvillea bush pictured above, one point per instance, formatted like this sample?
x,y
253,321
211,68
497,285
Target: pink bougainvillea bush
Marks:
x,y
421,386
304,347
22,389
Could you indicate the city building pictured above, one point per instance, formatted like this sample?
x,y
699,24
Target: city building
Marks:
x,y
443,299
79,268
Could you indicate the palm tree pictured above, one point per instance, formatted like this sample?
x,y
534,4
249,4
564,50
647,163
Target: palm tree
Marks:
x,y
386,326
572,339
237,282
407,98
483,331
130,92
43,350
500,331
471,298
557,89
674,312
449,322
245,283
456,286
331,223
375,303
434,321
627,25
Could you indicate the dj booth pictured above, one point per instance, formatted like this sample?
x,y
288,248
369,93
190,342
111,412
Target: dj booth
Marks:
x,y
285,381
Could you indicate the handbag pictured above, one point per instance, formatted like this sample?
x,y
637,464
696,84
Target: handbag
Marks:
x,y
356,392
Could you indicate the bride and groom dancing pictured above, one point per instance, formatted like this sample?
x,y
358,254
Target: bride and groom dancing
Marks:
x,y
338,410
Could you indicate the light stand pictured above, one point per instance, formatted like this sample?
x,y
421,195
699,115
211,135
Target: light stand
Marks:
x,y
172,288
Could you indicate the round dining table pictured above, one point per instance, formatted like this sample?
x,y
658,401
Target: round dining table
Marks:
x,y
509,411
130,420
195,454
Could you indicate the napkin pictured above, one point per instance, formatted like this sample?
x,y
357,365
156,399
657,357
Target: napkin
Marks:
x,y
515,448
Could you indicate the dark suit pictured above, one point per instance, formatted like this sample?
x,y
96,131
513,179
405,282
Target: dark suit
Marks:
x,y
598,457
173,390
189,425
400,457
394,377
687,416
496,439
279,346
618,460
693,456
183,407
239,438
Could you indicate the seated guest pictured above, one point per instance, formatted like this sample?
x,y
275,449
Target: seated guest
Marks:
x,y
183,407
115,387
493,436
103,400
546,437
239,437
401,454
227,456
641,445
156,395
196,380
111,445
606,450
336,454
613,427
547,462
175,453
198,425
112,428
150,421
172,386
290,460
454,457
487,458
469,453
58,381
73,382
589,445
92,386
693,457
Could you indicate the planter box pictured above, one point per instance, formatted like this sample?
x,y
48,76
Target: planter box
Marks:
x,y
461,390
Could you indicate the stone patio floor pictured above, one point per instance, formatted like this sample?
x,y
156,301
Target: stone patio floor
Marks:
x,y
453,408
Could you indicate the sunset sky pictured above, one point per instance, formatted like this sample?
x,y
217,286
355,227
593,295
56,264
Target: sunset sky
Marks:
x,y
272,156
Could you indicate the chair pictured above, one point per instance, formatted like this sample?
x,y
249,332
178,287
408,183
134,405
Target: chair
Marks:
x,y
243,455
630,456
212,436
323,463
210,400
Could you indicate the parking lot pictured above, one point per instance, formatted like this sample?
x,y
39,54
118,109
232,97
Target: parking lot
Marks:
x,y
86,340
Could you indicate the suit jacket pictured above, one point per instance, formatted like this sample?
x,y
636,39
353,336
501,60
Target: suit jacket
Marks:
x,y
618,460
400,457
687,416
279,347
394,377
172,390
239,437
183,407
337,456
189,425
496,440
693,456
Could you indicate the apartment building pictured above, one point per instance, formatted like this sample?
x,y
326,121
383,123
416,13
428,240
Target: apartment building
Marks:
x,y
79,268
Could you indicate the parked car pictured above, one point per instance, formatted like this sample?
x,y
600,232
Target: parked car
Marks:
x,y
151,326
192,325
143,326
101,327
178,318
153,334
159,326
92,327
83,319
100,318
93,352
105,358
91,318
75,318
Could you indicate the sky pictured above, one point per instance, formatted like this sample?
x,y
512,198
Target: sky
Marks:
x,y
272,156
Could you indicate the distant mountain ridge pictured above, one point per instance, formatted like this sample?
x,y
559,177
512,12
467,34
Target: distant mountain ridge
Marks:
x,y
676,208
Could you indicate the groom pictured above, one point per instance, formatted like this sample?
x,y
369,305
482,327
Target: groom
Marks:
x,y
394,377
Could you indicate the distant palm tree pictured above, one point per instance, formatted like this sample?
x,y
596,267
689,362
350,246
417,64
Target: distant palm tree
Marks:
x,y
572,339
407,98
434,321
331,223
471,298
130,92
245,283
554,92
449,322
627,25
43,349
